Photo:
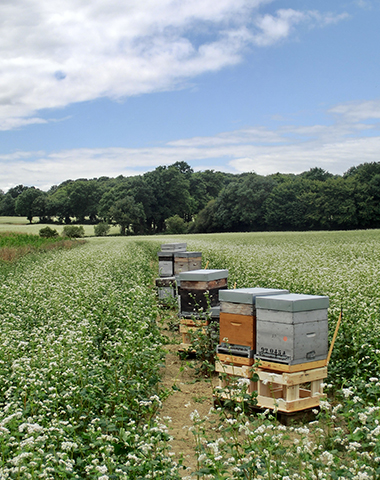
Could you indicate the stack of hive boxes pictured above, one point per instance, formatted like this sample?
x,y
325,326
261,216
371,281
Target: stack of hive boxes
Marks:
x,y
198,299
172,260
291,346
238,331
166,283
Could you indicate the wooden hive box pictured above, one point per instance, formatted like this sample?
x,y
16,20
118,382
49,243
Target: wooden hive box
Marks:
x,y
199,289
186,261
292,329
238,323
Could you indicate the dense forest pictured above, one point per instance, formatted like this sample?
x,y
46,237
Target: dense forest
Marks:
x,y
175,199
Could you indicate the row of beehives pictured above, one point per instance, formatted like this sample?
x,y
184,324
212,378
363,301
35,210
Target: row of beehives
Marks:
x,y
287,333
267,324
172,260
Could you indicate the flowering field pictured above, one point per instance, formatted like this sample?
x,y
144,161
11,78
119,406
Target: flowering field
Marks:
x,y
344,442
345,266
79,366
81,353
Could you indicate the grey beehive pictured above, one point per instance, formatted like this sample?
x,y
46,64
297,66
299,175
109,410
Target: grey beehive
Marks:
x,y
173,247
165,264
292,328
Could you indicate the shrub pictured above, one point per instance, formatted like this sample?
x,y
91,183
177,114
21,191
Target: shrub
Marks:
x,y
48,232
175,225
101,229
73,231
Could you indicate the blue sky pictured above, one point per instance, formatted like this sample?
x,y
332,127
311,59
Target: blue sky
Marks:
x,y
112,87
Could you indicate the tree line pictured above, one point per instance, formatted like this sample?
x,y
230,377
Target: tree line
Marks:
x,y
175,199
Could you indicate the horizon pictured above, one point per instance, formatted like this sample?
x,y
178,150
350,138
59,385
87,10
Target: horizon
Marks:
x,y
236,86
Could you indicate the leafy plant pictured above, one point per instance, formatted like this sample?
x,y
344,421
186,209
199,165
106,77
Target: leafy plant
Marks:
x,y
102,229
73,231
48,232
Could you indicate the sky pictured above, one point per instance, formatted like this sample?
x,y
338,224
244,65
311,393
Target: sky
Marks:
x,y
92,88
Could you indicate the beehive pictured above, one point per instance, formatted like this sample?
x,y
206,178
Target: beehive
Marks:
x,y
173,247
166,288
238,323
166,258
292,329
186,261
165,264
199,290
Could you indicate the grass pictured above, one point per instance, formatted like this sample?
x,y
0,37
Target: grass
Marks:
x,y
22,225
15,245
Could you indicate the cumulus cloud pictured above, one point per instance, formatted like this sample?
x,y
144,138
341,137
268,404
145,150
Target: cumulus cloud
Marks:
x,y
58,52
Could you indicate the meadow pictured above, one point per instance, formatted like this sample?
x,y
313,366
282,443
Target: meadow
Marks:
x,y
22,225
81,352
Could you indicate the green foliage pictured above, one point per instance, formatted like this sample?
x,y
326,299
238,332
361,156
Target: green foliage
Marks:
x,y
128,214
83,199
73,231
210,201
204,339
102,229
7,205
48,232
14,245
28,203
240,206
205,221
175,225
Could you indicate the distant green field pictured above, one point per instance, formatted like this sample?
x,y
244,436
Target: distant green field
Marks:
x,y
21,224
14,221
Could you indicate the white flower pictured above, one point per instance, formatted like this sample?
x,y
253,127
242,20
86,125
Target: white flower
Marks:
x,y
102,469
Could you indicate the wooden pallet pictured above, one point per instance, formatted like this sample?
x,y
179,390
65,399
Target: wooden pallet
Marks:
x,y
281,367
244,371
232,374
197,322
187,330
286,418
282,391
235,360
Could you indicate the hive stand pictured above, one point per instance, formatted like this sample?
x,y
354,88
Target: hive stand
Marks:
x,y
282,391
186,332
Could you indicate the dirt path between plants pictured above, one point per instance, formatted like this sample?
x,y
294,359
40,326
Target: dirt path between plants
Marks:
x,y
190,393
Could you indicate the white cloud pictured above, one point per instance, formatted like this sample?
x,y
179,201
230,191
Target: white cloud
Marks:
x,y
273,28
289,149
57,52
357,111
